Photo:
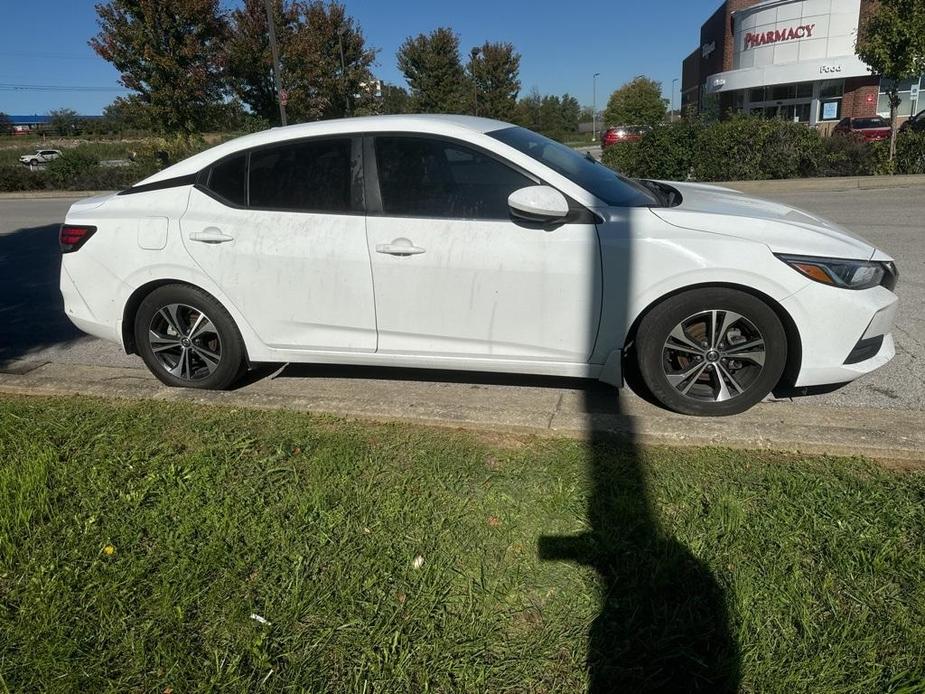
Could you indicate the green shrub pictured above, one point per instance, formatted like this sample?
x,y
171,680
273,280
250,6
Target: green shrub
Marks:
x,y
70,176
15,178
666,152
69,166
839,155
910,153
748,148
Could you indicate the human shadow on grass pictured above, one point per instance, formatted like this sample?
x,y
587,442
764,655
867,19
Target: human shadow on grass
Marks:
x,y
31,308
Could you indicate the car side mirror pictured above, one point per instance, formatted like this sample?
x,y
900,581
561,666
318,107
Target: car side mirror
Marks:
x,y
538,204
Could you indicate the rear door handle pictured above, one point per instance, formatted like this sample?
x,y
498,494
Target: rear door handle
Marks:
x,y
399,246
210,235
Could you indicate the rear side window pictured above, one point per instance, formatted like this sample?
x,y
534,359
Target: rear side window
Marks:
x,y
227,180
311,176
428,177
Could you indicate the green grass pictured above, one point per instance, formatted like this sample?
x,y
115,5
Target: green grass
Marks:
x,y
664,568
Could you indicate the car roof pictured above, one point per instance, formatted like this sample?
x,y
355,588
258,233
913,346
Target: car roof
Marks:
x,y
430,123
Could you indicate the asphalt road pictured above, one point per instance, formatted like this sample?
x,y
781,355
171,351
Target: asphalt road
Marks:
x,y
33,326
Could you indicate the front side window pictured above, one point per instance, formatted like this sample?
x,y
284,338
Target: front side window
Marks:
x,y
306,176
429,177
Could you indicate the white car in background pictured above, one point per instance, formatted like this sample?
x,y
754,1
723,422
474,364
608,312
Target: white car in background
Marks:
x,y
455,242
39,156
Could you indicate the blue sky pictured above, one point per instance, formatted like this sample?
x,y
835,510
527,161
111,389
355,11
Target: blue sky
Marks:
x,y
561,44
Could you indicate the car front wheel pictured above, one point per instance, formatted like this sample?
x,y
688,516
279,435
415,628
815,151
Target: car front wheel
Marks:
x,y
711,352
188,339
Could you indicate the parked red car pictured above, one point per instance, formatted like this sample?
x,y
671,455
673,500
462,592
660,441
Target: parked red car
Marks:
x,y
872,129
622,133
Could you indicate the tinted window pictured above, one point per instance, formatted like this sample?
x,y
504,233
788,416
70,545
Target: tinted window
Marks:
x,y
602,182
426,177
306,176
862,123
227,180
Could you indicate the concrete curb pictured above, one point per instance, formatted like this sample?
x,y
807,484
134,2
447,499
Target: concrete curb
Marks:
x,y
833,184
51,194
504,406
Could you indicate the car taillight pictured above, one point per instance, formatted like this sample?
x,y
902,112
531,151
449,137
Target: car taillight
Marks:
x,y
73,236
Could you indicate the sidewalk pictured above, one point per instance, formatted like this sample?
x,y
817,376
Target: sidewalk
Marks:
x,y
506,405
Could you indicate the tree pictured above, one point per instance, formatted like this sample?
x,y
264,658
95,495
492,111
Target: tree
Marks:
x,y
126,113
431,65
327,87
638,102
246,53
570,112
63,120
494,69
395,99
527,113
550,115
310,37
168,52
6,125
892,43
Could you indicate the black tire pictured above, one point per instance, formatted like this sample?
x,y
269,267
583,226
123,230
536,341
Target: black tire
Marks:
x,y
694,368
170,333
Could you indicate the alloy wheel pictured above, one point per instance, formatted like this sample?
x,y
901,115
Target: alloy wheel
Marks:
x,y
713,355
185,342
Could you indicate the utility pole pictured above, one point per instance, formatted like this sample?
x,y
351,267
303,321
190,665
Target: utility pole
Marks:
x,y
274,50
473,56
343,69
673,82
594,108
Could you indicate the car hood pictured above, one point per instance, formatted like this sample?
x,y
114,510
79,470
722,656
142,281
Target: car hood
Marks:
x,y
782,228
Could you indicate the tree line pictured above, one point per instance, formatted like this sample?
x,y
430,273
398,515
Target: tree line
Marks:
x,y
192,67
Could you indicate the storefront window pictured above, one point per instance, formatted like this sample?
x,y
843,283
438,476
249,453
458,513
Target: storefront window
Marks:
x,y
831,89
805,90
783,91
911,99
756,94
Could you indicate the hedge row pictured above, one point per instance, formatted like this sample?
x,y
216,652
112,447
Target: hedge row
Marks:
x,y
752,148
80,169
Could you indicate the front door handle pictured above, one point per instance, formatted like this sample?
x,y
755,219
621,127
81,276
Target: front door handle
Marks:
x,y
210,235
399,246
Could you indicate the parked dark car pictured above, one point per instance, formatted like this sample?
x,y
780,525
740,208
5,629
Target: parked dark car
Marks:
x,y
916,124
622,133
872,129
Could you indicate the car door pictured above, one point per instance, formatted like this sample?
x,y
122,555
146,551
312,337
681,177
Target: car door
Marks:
x,y
455,275
280,229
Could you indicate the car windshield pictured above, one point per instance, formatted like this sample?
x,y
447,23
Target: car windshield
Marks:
x,y
602,182
862,123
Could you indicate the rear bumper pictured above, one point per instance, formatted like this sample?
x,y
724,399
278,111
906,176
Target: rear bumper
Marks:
x,y
79,313
844,334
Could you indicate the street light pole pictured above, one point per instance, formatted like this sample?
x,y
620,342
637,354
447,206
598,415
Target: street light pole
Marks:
x,y
473,56
594,107
274,51
343,70
673,82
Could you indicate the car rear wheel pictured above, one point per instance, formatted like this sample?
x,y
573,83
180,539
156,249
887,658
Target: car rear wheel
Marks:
x,y
711,352
188,339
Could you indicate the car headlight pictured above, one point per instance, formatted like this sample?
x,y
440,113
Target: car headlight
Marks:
x,y
838,272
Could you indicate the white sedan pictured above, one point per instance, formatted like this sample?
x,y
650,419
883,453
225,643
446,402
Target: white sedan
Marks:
x,y
454,242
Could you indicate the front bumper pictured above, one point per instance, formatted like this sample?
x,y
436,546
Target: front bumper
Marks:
x,y
844,334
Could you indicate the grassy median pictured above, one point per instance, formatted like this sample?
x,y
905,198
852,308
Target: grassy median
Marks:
x,y
152,547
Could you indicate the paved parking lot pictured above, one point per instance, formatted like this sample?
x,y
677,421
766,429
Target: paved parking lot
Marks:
x,y
33,326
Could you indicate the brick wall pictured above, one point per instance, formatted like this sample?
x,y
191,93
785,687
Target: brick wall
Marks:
x,y
860,97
